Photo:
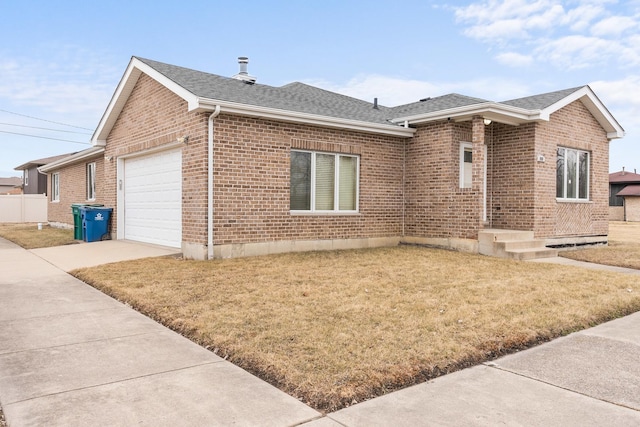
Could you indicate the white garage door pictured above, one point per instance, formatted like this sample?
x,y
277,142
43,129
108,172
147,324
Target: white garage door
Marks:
x,y
153,198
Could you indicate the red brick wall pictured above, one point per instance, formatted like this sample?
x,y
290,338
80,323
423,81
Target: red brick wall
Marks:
x,y
510,184
436,206
251,182
73,189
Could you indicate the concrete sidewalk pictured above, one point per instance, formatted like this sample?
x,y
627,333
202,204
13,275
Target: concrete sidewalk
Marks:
x,y
71,356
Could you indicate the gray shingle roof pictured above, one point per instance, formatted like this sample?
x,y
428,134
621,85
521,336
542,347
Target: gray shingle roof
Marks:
x,y
297,97
41,162
302,98
542,101
440,103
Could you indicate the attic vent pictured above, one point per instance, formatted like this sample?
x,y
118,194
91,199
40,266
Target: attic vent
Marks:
x,y
243,75
425,99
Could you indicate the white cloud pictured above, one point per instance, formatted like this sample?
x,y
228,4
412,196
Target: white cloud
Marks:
x,y
501,20
613,26
568,35
71,83
514,59
575,52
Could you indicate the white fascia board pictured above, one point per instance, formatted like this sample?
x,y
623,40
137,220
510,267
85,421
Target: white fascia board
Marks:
x,y
120,96
492,110
296,117
595,106
74,158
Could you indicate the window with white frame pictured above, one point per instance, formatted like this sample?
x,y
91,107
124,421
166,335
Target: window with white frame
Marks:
x,y
572,174
25,180
323,182
466,163
91,181
55,187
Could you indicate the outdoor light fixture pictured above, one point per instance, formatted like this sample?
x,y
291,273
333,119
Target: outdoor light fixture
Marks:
x,y
183,139
487,122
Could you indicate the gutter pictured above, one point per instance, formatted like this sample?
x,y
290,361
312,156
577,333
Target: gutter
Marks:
x,y
212,116
74,158
203,104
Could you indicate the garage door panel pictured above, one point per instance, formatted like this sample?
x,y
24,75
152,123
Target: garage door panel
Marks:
x,y
153,198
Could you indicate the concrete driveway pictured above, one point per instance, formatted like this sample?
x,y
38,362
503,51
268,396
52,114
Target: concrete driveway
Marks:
x,y
82,255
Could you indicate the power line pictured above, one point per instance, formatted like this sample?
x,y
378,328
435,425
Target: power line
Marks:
x,y
44,120
45,137
54,130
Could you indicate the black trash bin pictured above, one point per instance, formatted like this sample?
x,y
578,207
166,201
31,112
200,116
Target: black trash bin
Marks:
x,y
95,223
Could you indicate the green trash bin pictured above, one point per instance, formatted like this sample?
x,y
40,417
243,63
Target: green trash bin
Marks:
x,y
77,219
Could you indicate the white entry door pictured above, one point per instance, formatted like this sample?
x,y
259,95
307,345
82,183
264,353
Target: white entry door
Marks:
x,y
153,198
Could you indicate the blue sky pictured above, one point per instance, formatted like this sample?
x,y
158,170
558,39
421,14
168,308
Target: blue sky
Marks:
x,y
61,61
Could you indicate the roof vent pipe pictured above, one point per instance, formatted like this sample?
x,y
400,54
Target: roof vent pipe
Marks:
x,y
375,103
243,74
244,64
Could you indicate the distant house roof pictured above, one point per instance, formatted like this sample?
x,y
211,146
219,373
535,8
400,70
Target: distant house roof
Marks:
x,y
299,102
73,158
624,177
41,162
630,191
13,181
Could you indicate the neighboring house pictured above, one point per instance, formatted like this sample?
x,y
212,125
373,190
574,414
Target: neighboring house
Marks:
x,y
223,167
11,185
35,182
623,198
76,178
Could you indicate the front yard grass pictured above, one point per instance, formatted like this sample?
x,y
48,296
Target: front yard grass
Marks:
x,y
334,328
623,249
29,237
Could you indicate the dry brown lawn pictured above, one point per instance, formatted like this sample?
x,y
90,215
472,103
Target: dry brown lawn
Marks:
x,y
623,249
333,328
29,237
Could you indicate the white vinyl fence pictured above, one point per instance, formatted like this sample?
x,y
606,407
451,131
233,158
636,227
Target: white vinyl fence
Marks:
x,y
23,208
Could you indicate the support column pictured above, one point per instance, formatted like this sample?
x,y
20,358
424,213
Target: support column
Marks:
x,y
478,167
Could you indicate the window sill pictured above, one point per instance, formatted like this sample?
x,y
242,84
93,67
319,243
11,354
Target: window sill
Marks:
x,y
573,201
323,213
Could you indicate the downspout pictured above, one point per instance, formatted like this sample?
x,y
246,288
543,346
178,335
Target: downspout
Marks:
x,y
210,184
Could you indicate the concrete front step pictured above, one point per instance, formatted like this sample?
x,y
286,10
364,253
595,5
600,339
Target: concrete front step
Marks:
x,y
526,254
513,244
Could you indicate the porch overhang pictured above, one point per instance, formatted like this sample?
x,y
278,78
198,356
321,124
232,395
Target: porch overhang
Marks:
x,y
493,111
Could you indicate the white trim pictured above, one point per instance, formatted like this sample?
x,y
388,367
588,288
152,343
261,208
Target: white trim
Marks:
x,y
204,104
494,111
74,158
336,185
463,147
507,114
55,190
90,170
128,81
595,106
564,174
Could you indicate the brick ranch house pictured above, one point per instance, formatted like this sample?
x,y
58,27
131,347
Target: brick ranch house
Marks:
x,y
224,167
